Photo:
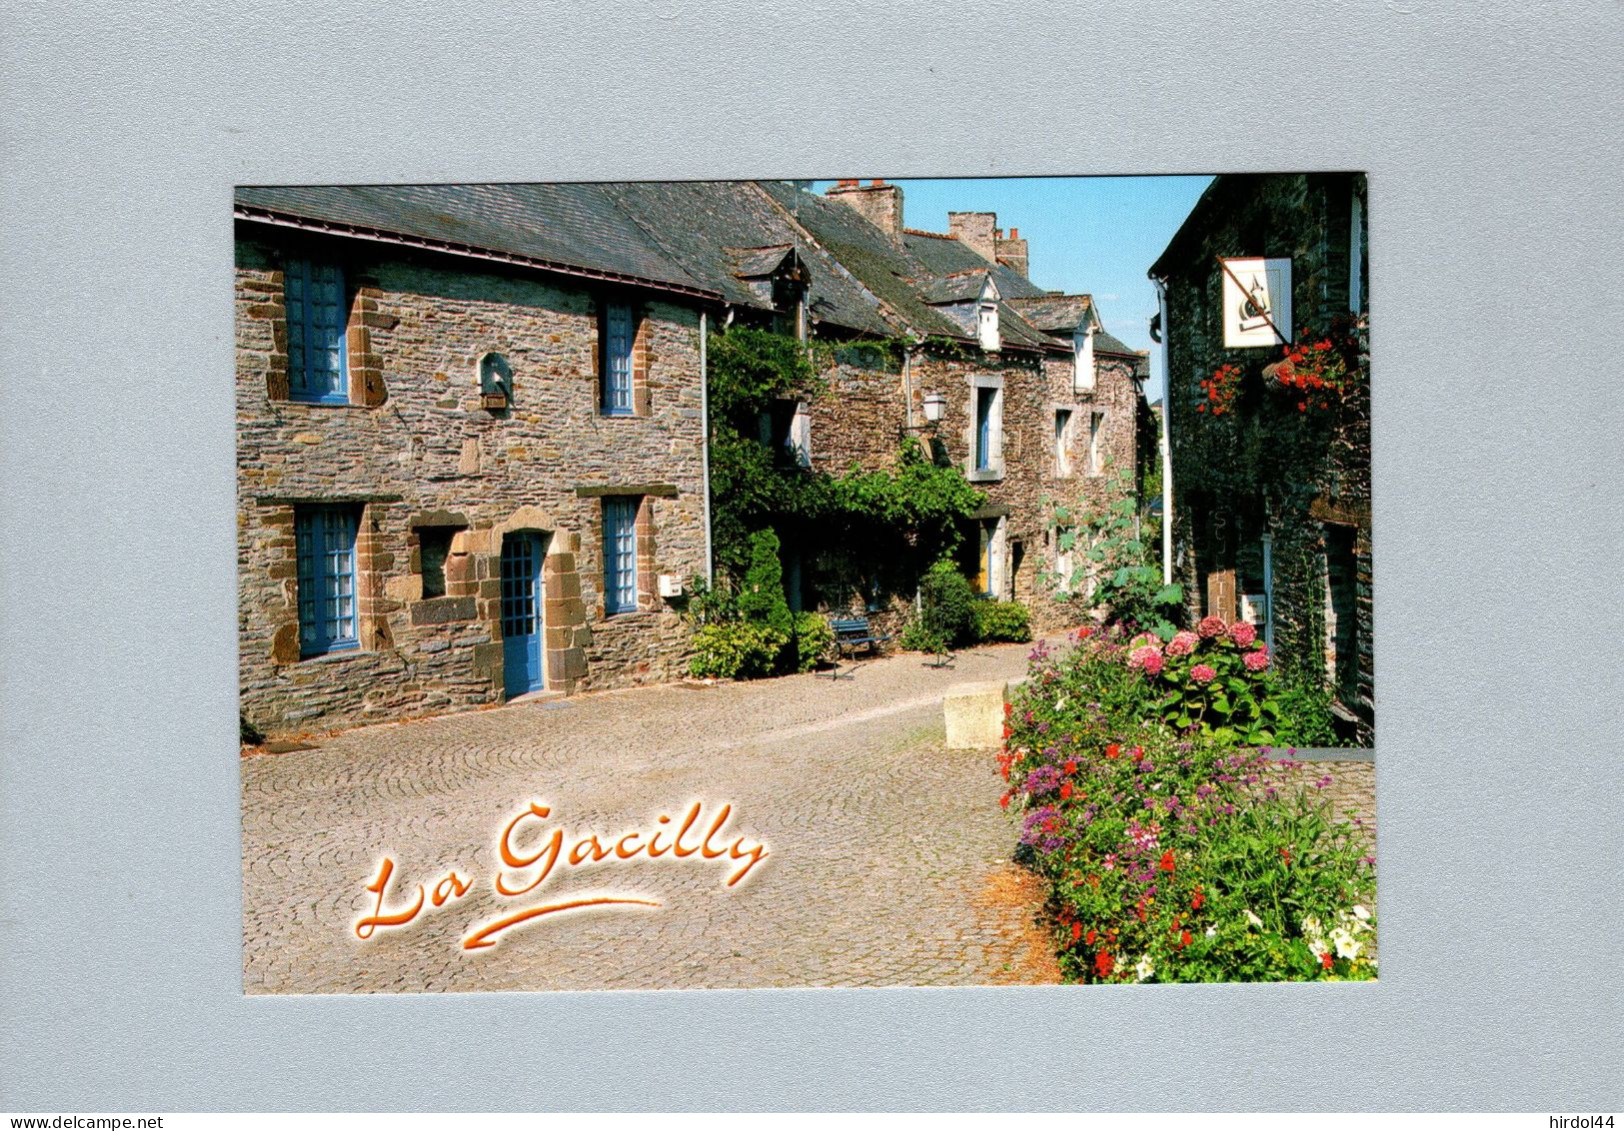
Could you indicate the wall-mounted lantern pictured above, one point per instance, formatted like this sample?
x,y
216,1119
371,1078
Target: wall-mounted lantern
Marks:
x,y
495,382
935,407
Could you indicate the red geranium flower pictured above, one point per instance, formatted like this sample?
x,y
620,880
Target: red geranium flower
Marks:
x,y
1092,935
1076,931
1003,802
1325,960
1103,964
1197,900
1071,767
1113,750
1167,861
1065,791
1184,939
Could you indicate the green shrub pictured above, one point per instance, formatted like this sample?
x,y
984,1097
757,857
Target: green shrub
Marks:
x,y
1002,621
1305,718
739,650
761,597
947,608
813,639
1170,856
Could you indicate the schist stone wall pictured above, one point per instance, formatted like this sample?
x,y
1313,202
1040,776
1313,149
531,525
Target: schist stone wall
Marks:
x,y
859,423
1321,560
419,459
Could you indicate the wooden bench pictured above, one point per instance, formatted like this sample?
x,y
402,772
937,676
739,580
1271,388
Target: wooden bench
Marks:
x,y
852,634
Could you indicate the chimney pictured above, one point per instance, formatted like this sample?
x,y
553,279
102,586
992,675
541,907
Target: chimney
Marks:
x,y
877,202
1012,252
977,231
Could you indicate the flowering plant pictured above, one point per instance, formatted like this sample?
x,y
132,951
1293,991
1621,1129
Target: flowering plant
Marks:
x,y
1169,857
1221,389
1215,679
1314,368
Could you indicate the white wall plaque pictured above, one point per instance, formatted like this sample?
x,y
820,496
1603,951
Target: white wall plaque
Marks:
x,y
1257,302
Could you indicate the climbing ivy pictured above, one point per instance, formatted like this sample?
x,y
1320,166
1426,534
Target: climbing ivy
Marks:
x,y
908,515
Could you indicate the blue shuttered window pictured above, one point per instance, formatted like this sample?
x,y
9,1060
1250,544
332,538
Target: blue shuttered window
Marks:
x,y
619,332
325,539
620,554
317,317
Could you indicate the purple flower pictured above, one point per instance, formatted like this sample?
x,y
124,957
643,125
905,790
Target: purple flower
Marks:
x,y
1044,779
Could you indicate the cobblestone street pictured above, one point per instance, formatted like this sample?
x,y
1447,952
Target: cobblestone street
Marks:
x,y
887,856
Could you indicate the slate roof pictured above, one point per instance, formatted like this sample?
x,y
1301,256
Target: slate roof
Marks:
x,y
948,255
693,221
1055,314
1105,343
892,270
576,226
964,287
758,262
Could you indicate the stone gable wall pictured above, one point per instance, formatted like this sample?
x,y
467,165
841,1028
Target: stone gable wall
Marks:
x,y
422,450
1305,217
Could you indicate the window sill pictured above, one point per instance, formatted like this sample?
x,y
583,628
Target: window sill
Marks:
x,y
331,657
985,475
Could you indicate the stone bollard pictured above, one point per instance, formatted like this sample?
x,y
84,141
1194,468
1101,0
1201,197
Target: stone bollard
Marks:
x,y
975,715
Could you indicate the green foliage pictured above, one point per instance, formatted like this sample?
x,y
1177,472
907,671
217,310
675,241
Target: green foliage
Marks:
x,y
1002,621
813,639
1305,717
761,595
909,513
916,498
1128,589
947,610
737,650
1172,857
249,734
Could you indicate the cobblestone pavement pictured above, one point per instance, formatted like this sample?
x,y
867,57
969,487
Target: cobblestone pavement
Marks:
x,y
887,865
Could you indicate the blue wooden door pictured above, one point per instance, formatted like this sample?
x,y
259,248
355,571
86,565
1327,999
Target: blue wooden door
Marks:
x,y
521,614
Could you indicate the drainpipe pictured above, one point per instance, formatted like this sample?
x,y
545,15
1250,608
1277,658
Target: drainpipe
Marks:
x,y
1164,439
704,444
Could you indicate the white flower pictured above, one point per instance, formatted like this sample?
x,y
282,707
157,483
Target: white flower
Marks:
x,y
1060,703
1319,948
1311,928
1145,968
1361,912
1253,919
1211,931
1346,945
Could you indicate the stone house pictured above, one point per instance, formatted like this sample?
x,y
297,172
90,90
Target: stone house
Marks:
x,y
1272,501
470,449
1039,404
472,422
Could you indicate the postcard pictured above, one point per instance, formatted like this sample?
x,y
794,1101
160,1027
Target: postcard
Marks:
x,y
794,584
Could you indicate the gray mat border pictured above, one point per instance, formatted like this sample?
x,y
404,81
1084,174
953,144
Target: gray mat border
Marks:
x,y
1489,132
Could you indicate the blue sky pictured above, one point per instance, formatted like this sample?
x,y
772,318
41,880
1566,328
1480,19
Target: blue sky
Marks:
x,y
1089,235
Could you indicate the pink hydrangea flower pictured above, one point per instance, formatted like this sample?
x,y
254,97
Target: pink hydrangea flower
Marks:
x,y
1201,673
1182,644
1145,638
1242,633
1146,656
1255,661
1209,627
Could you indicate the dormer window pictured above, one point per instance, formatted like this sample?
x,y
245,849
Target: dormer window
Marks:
x,y
1083,343
988,323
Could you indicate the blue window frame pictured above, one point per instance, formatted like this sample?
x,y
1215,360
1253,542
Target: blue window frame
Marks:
x,y
620,554
619,332
325,542
317,319
985,400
